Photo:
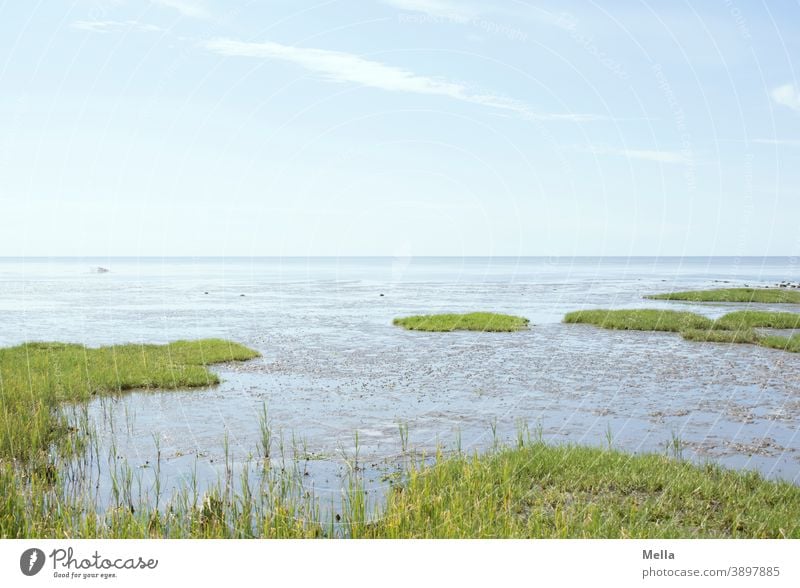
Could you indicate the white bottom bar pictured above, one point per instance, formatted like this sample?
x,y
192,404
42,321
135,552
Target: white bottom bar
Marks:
x,y
402,563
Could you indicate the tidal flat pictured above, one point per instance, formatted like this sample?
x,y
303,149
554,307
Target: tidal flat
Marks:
x,y
346,391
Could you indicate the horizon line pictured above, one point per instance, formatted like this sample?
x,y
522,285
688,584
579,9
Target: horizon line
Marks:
x,y
644,256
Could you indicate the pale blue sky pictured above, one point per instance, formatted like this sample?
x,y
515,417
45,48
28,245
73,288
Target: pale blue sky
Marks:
x,y
399,127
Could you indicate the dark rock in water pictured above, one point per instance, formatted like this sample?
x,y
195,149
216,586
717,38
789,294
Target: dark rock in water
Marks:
x,y
241,294
381,294
205,292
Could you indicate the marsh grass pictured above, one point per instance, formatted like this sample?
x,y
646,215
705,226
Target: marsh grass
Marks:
x,y
750,319
640,320
580,492
791,344
274,506
473,321
739,327
531,490
35,378
719,336
757,295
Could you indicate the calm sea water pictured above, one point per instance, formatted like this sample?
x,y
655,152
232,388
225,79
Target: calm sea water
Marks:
x,y
333,364
153,299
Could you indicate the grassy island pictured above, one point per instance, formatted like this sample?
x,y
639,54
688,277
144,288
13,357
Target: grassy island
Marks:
x,y
473,321
758,295
735,327
749,319
641,320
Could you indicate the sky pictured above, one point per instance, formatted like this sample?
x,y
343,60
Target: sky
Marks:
x,y
399,128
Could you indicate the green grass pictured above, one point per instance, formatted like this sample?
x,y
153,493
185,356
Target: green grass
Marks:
x,y
750,319
275,506
719,336
791,344
735,327
758,295
36,377
534,490
473,321
640,320
580,492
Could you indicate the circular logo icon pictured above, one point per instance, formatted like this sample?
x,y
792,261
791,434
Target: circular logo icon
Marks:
x,y
31,561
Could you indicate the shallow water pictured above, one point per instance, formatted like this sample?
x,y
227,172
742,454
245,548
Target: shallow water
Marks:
x,y
333,365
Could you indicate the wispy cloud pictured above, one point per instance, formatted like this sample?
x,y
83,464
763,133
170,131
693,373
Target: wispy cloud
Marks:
x,y
787,95
108,26
338,66
447,9
190,8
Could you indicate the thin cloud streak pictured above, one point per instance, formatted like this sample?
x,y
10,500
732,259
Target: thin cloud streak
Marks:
x,y
344,67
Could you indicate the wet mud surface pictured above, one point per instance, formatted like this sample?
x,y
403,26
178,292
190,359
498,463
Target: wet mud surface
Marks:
x,y
736,405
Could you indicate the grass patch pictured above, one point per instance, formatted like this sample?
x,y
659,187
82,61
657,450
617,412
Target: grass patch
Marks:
x,y
750,319
640,320
735,327
579,492
791,344
36,377
758,295
473,321
718,336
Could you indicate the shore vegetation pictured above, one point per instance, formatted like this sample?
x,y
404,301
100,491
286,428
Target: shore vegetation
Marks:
x,y
741,326
757,295
641,319
549,491
473,321
36,378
